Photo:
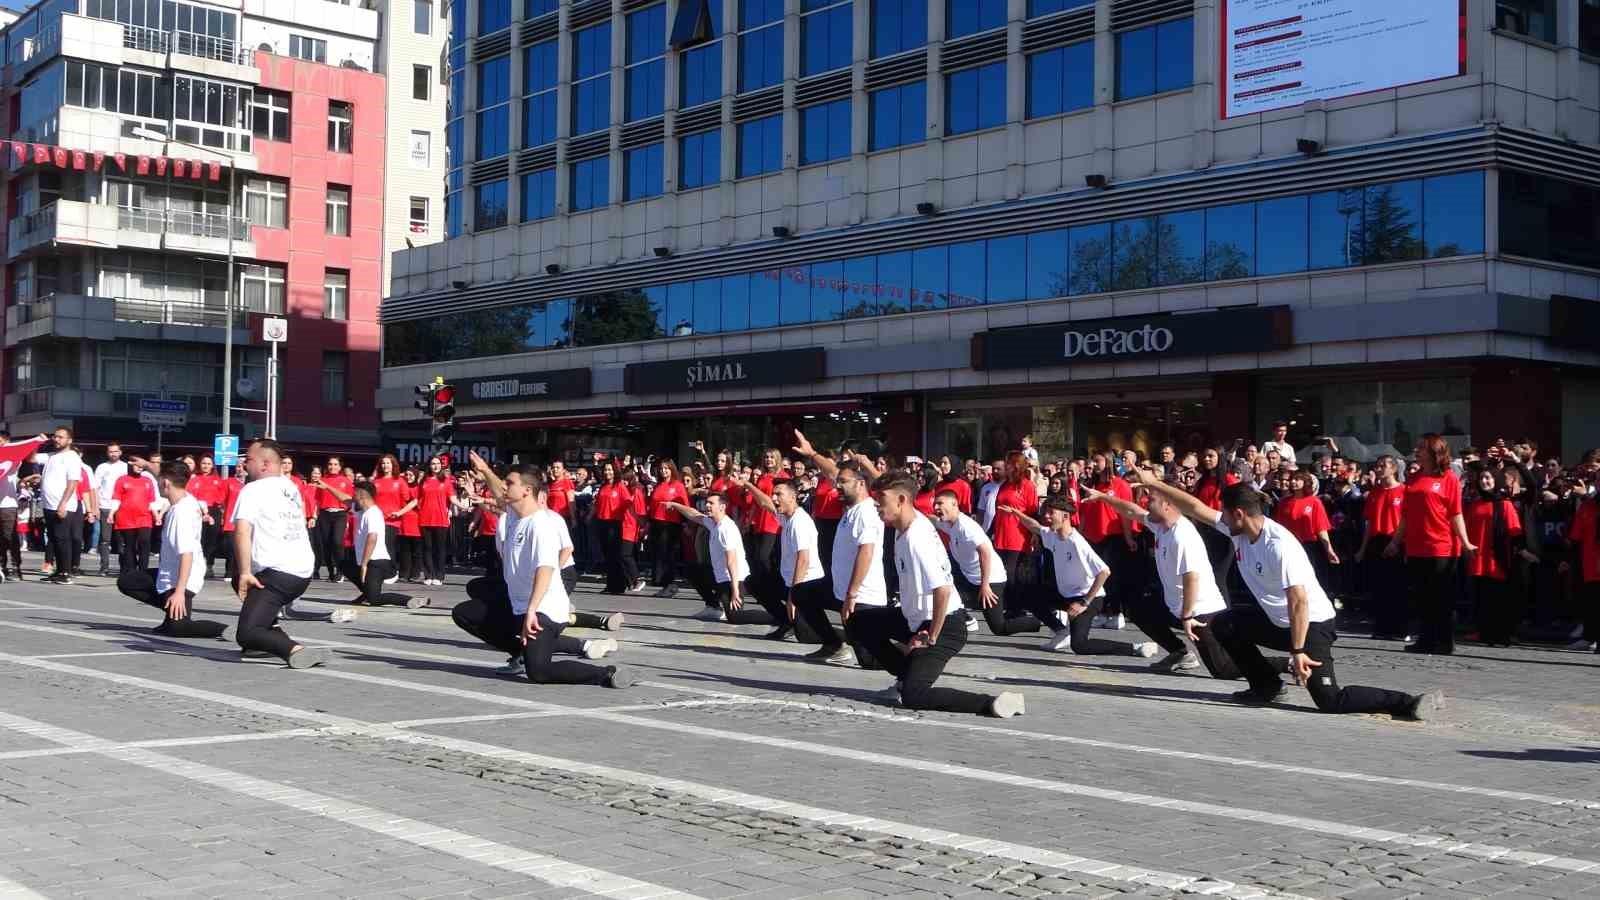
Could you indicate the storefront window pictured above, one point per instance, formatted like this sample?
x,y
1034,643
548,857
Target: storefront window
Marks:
x,y
1366,419
986,431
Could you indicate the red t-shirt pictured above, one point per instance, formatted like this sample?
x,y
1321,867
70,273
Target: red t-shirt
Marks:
x,y
1209,490
923,502
761,519
1382,509
1305,517
668,492
410,520
391,494
1431,502
230,496
610,500
734,493
433,502
134,495
1100,519
350,532
1008,532
961,489
488,519
1584,533
560,495
308,496
325,498
1480,530
633,514
206,488
825,502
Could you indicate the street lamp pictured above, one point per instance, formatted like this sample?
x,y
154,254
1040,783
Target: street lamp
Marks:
x,y
227,331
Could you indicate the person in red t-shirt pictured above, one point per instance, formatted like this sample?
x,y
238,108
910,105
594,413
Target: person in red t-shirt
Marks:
x,y
133,520
394,497
433,517
1113,537
1010,539
635,520
950,479
409,561
205,485
725,480
1584,535
330,500
761,538
561,491
1386,576
666,527
1306,518
1494,525
230,497
1433,535
827,509
611,501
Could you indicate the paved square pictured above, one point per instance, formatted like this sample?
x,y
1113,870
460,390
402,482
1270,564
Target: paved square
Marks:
x,y
145,767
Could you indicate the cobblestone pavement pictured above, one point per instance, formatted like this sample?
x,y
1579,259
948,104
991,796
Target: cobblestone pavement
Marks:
x,y
134,766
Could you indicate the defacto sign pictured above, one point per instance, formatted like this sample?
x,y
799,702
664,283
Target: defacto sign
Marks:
x,y
558,384
1281,53
715,372
1248,330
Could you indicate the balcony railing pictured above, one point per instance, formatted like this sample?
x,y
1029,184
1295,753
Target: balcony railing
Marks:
x,y
154,220
43,44
134,309
184,43
42,219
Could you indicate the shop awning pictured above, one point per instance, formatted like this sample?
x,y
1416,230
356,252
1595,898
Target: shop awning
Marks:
x,y
556,420
774,408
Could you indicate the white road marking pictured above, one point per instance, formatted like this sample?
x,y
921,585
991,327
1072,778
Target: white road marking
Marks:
x,y
85,655
1312,771
547,869
971,843
163,742
13,890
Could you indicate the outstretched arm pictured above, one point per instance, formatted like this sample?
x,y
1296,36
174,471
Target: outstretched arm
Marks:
x,y
1026,520
826,466
1125,509
688,512
496,486
1183,500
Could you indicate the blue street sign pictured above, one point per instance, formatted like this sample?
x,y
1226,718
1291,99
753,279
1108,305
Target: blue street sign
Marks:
x,y
225,450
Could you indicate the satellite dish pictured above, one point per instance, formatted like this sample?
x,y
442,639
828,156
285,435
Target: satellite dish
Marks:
x,y
246,387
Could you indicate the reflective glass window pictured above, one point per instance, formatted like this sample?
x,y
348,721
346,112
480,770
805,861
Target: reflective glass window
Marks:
x,y
760,146
894,277
1061,80
490,211
825,132
1047,264
493,15
1089,255
975,98
899,115
1282,235
1230,241
707,306
861,288
1008,269
1181,248
935,275
1047,7
591,183
736,302
540,80
538,195
700,159
1336,228
825,36
641,168
763,298
645,72
963,17
1155,58
794,295
1134,246
898,25
827,295
1392,223
701,75
1452,208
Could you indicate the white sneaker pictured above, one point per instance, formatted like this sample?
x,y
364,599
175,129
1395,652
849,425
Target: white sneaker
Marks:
x,y
1099,622
1006,705
1581,645
598,648
972,625
1117,622
637,586
393,580
1147,649
513,666
341,616
1060,639
711,614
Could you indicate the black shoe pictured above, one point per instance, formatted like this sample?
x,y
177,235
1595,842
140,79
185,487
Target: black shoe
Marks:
x,y
777,634
1253,697
618,677
823,652
1419,647
1422,706
164,628
104,573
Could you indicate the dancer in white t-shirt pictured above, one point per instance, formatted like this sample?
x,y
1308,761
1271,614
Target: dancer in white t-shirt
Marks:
x,y
180,574
274,554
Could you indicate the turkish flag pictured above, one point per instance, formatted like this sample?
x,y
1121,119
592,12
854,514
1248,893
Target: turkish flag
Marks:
x,y
99,159
143,166
80,160
161,166
14,454
196,170
178,170
121,160
61,157
216,171
19,149
41,154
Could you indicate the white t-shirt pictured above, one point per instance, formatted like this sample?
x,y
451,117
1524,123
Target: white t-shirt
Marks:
x,y
159,504
532,543
967,541
924,567
9,490
277,518
987,495
1285,451
62,466
1077,565
180,534
860,526
799,533
725,537
370,523
1271,565
559,522
1180,551
105,480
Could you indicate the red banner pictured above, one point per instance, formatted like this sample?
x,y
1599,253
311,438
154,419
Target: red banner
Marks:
x,y
143,166
41,154
178,170
121,160
82,160
13,455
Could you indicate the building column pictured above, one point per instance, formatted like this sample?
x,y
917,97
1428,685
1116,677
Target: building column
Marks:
x,y
860,108
1016,100
932,144
1105,91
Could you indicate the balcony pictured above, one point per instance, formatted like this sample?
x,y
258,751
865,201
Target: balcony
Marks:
x,y
201,53
76,316
183,230
40,47
66,401
63,222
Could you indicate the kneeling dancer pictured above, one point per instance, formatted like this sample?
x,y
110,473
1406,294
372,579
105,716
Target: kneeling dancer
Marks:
x,y
180,574
274,554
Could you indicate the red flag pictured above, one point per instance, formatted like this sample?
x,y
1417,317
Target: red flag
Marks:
x,y
178,170
59,154
14,454
161,166
216,171
19,149
121,160
99,159
41,154
196,169
143,166
80,160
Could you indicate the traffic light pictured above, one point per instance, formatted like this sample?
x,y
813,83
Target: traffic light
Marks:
x,y
443,409
424,401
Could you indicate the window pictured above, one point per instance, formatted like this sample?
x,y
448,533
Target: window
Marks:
x,y
760,44
1589,26
645,75
338,211
454,213
825,132
1061,80
261,288
591,79
898,25
540,74
1534,18
760,146
269,115
493,15
1543,218
899,115
975,98
335,371
826,28
1046,7
700,159
421,82
340,117
308,48
538,195
266,202
489,210
696,32
419,215
1155,59
963,17
641,172
591,183
537,8
493,130
421,149
335,294
422,16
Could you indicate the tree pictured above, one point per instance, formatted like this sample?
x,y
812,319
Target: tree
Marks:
x,y
1389,230
613,317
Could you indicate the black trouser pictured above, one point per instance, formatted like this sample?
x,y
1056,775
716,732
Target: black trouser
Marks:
x,y
1386,582
232,565
66,539
1243,631
666,540
258,617
827,530
487,616
878,629
1008,615
744,615
434,541
1433,589
1589,596
10,541
1499,609
135,556
628,562
460,540
372,587
409,561
812,600
140,584
1156,620
108,541
704,583
331,524
609,532
1079,626
210,537
391,540
765,581
1113,551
